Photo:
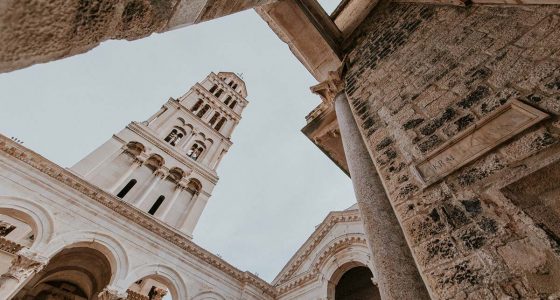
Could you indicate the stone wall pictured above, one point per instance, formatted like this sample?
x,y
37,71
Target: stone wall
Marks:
x,y
421,74
40,31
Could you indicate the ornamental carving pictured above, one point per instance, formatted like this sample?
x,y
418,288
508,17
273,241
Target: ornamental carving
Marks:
x,y
333,85
25,264
110,293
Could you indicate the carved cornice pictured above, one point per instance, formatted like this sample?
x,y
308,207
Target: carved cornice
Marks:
x,y
316,237
136,128
136,296
65,177
313,274
9,246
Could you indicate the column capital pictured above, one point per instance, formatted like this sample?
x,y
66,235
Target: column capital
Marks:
x,y
24,265
158,294
332,86
160,173
111,293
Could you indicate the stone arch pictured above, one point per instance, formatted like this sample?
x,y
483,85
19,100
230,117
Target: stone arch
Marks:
x,y
176,174
109,246
77,271
352,278
194,185
166,275
208,296
135,148
155,161
35,215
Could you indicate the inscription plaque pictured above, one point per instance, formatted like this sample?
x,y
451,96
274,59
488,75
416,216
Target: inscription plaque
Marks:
x,y
503,124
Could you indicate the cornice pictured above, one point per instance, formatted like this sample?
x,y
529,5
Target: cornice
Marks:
x,y
138,129
18,152
316,237
313,274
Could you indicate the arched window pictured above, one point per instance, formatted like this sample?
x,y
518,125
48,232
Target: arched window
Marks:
x,y
228,100
214,119
171,136
234,86
126,188
233,104
195,151
177,138
230,83
197,105
219,92
203,111
156,205
212,89
220,124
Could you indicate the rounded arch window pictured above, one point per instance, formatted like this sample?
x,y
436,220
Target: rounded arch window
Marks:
x,y
196,150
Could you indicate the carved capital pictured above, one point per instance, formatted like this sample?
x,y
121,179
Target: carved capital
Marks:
x,y
25,264
160,173
110,293
333,85
158,294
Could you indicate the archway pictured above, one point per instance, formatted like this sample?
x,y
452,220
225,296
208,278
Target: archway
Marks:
x,y
356,284
78,273
151,287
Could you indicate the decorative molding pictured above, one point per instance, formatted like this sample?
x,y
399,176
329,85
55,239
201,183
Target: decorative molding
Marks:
x,y
316,237
9,246
65,177
25,264
136,128
110,293
327,252
472,143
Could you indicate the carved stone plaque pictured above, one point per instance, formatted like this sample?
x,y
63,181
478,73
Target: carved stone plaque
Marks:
x,y
504,123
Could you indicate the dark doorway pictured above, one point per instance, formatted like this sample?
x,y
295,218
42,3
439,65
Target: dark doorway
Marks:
x,y
356,284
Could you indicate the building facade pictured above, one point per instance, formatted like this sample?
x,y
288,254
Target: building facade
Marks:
x,y
118,224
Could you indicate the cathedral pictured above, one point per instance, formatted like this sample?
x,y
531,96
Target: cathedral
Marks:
x,y
445,114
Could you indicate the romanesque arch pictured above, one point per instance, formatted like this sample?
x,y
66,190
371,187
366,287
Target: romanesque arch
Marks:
x,y
165,275
78,272
107,245
208,296
31,213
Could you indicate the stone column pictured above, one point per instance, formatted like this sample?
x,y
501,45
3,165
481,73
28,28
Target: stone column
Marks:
x,y
158,176
110,293
135,165
24,266
394,267
178,189
193,212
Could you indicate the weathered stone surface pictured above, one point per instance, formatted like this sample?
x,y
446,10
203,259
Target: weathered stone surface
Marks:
x,y
464,64
36,31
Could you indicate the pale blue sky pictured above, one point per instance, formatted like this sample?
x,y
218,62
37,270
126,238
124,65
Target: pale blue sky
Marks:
x,y
275,185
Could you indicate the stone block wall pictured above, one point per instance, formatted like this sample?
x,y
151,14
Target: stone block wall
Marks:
x,y
418,75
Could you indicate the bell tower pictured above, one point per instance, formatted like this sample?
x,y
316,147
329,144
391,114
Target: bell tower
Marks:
x,y
166,165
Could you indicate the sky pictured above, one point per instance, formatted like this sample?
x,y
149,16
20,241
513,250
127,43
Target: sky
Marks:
x,y
275,185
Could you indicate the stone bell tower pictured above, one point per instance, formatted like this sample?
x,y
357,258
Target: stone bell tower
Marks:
x,y
166,166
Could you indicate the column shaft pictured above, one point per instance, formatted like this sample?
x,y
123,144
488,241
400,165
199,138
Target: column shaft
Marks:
x,y
157,178
135,164
171,202
395,270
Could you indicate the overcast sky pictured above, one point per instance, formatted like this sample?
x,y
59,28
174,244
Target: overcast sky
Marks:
x,y
275,185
